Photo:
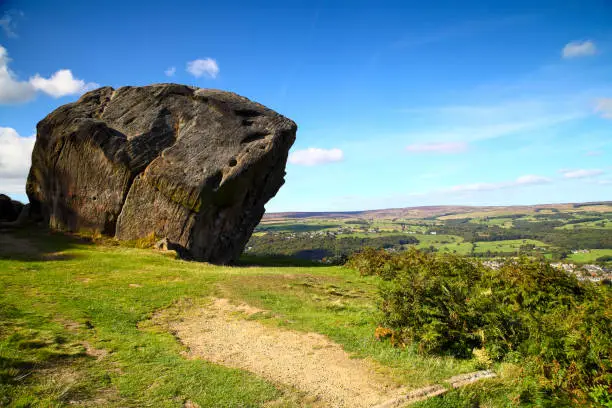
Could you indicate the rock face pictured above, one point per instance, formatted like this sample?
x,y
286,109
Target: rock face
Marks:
x,y
195,166
9,209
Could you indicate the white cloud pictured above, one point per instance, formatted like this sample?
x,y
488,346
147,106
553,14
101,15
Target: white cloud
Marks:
x,y
437,147
527,180
15,158
11,89
604,107
203,67
314,156
579,49
581,173
604,182
170,71
593,153
61,83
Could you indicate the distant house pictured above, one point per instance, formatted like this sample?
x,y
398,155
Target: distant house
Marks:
x,y
433,232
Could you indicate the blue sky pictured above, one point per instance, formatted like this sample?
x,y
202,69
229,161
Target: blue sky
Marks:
x,y
398,104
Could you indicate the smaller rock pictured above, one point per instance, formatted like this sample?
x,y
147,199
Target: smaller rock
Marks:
x,y
170,247
161,245
9,209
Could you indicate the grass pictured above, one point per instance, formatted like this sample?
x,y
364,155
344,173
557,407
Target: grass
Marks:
x,y
589,257
66,302
444,243
510,245
501,222
341,306
602,224
105,293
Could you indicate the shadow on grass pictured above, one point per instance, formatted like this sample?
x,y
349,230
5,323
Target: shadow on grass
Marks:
x,y
34,244
277,261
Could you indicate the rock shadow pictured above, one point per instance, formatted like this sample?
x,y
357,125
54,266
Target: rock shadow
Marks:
x,y
32,244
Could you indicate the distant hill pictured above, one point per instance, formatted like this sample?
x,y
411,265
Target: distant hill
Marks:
x,y
446,211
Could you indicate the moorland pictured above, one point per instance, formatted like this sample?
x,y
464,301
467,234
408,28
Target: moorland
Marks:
x,y
579,233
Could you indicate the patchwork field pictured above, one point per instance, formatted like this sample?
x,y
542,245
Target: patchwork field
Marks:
x,y
552,231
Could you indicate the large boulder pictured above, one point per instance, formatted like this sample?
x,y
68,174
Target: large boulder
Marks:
x,y
195,166
9,209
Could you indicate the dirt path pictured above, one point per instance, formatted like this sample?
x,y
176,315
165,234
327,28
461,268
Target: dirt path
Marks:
x,y
309,362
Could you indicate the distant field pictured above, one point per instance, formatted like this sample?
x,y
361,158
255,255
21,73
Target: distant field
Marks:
x,y
446,212
296,227
591,256
551,230
502,222
512,245
594,208
460,248
487,213
604,224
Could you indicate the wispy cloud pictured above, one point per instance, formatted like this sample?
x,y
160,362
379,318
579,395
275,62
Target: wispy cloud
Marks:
x,y
604,107
458,31
526,180
580,173
439,147
8,22
579,49
170,71
470,123
314,156
203,67
61,83
461,194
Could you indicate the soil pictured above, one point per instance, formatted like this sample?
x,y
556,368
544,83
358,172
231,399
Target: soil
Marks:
x,y
308,362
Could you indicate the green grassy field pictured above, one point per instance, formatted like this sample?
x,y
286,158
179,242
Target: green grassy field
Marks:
x,y
591,256
75,326
603,224
444,243
502,222
509,245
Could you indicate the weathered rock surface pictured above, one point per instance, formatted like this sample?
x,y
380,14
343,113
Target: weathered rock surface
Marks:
x,y
9,209
195,166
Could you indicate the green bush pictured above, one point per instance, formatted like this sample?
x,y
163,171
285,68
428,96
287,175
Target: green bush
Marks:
x,y
559,330
370,261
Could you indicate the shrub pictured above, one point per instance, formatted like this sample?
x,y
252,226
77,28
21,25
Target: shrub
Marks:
x,y
558,329
370,261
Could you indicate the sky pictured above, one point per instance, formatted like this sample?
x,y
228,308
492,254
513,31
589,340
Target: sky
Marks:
x,y
398,104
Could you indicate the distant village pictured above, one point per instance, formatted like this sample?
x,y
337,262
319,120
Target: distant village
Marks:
x,y
593,273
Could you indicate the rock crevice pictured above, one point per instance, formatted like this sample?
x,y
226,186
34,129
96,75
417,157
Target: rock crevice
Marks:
x,y
193,165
